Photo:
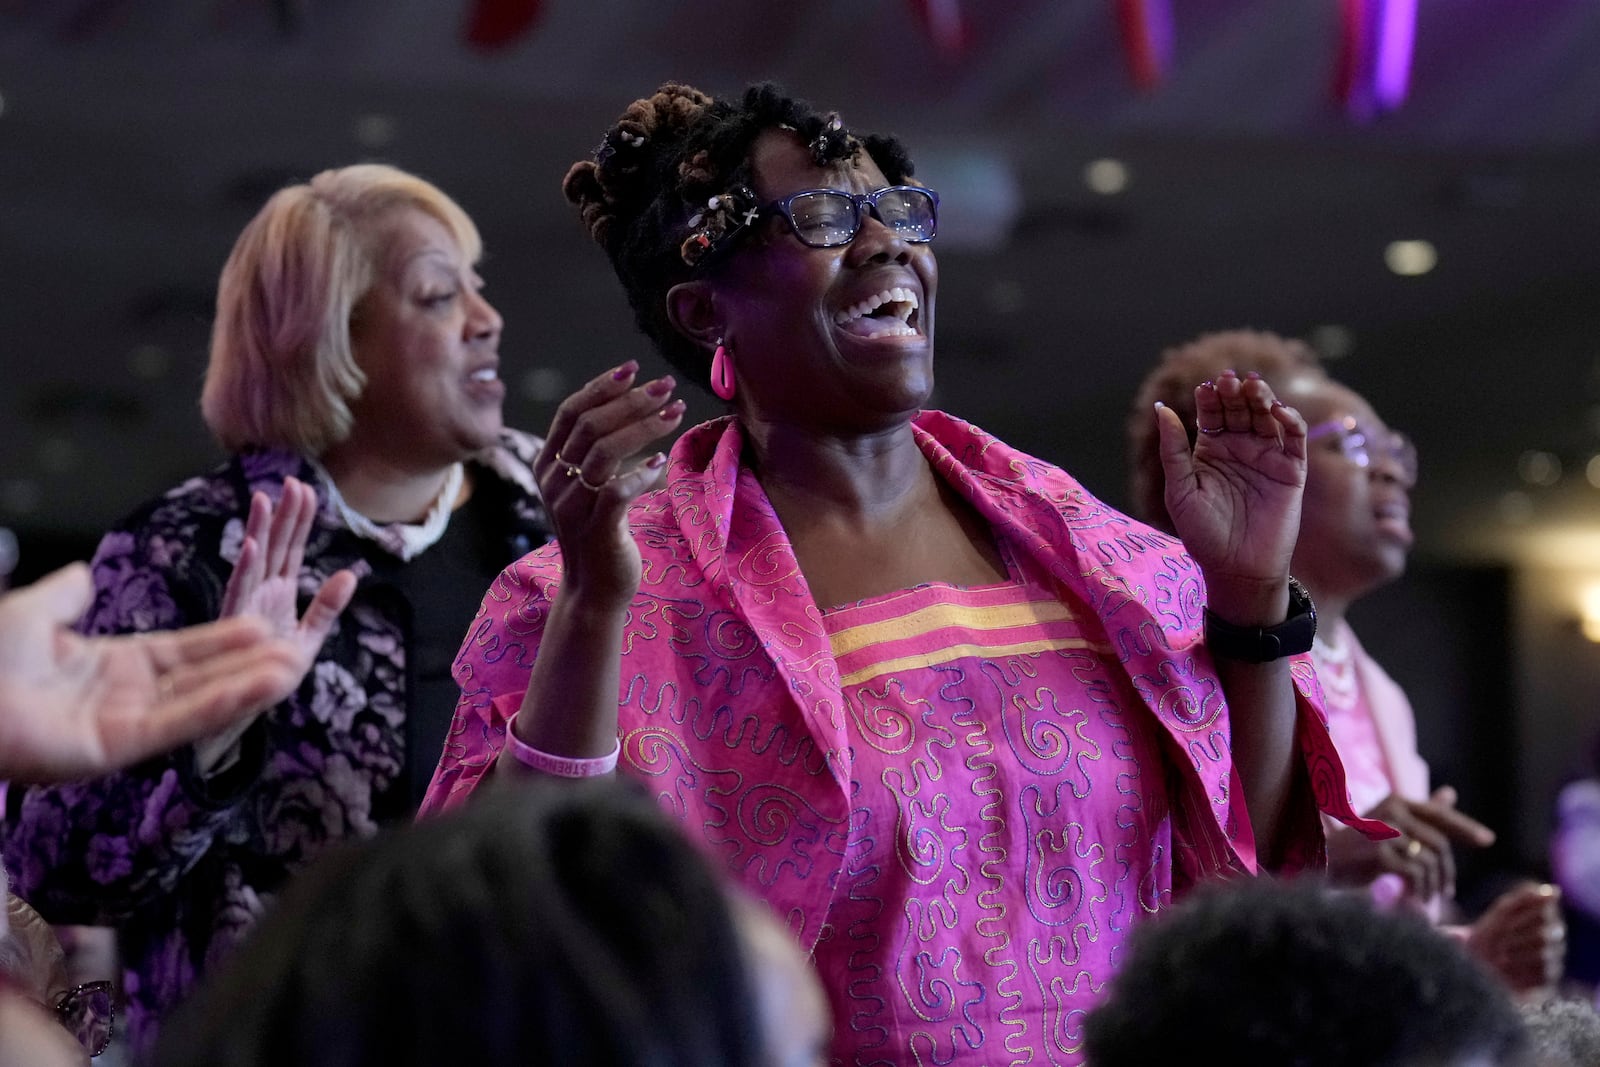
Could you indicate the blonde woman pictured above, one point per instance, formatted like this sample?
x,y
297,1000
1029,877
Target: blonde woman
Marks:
x,y
354,377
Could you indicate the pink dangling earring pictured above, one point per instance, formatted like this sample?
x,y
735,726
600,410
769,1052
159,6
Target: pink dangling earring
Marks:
x,y
722,372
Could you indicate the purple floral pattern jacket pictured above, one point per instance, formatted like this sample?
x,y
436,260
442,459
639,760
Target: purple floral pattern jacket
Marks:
x,y
183,865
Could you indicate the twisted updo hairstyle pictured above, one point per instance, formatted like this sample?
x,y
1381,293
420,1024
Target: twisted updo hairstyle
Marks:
x,y
664,159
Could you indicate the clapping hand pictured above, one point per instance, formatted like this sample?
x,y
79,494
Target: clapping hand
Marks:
x,y
1522,938
266,578
1234,498
1422,855
586,483
264,585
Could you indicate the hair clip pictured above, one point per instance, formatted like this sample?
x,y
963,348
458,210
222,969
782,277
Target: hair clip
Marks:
x,y
725,214
615,139
825,146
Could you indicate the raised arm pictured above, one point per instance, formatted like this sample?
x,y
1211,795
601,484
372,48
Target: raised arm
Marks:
x,y
1235,501
587,482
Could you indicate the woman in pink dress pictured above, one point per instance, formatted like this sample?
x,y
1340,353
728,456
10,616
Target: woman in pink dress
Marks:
x,y
949,715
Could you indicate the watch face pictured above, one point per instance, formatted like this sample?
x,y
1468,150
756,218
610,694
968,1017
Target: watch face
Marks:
x,y
1296,633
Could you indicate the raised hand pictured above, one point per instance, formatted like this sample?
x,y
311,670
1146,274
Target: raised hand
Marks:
x,y
1522,938
264,585
265,580
587,486
570,707
73,707
1422,855
1235,498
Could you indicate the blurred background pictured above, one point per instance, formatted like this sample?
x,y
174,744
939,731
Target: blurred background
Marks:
x,y
1109,189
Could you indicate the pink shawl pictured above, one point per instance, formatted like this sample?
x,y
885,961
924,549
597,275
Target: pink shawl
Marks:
x,y
730,703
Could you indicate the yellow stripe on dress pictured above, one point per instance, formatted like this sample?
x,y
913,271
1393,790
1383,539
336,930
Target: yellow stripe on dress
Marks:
x,y
948,616
958,651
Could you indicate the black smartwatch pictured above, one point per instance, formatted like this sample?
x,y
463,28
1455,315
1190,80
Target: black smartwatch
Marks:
x,y
1263,644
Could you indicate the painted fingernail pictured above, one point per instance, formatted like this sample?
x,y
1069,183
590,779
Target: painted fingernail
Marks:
x,y
627,370
660,387
673,410
657,461
1253,376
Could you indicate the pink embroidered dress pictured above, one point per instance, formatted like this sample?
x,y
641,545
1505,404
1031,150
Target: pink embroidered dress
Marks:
x,y
960,800
957,814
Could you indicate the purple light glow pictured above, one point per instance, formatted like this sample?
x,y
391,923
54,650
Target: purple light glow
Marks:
x,y
1397,35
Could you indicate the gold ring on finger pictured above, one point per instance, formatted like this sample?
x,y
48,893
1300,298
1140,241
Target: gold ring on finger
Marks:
x,y
1413,849
592,487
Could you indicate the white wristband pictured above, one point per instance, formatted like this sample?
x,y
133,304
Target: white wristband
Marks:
x,y
560,766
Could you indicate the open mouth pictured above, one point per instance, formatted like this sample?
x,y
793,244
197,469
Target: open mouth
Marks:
x,y
485,374
888,313
1394,520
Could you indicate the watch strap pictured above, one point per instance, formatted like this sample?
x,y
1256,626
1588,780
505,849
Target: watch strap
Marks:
x,y
1263,644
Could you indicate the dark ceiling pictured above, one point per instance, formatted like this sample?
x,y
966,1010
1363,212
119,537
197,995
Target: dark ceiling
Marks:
x,y
136,138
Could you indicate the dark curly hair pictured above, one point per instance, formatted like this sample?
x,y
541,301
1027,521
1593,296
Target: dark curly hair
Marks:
x,y
1298,976
664,159
1173,380
547,922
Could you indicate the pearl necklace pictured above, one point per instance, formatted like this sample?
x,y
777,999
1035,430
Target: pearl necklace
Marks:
x,y
407,540
1336,669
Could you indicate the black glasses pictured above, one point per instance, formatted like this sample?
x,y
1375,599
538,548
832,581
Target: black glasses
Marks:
x,y
828,218
87,1012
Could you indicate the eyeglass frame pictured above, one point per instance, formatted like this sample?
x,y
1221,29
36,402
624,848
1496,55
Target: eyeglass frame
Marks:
x,y
1355,444
783,207
70,996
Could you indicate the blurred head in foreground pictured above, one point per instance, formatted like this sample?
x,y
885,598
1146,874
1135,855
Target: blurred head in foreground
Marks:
x,y
549,921
1298,976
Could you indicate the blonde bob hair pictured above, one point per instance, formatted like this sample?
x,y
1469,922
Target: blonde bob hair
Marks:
x,y
282,373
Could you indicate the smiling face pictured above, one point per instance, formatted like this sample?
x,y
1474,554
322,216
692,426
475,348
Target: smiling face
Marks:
x,y
1355,526
836,340
428,342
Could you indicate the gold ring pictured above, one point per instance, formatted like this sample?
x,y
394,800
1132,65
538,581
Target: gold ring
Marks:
x,y
1413,849
572,470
